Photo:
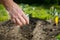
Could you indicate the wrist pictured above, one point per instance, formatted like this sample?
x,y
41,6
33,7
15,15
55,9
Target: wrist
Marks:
x,y
5,1
8,4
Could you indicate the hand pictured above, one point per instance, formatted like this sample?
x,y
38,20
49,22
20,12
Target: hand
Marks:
x,y
17,15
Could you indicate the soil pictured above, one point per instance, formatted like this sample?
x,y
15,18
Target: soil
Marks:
x,y
37,30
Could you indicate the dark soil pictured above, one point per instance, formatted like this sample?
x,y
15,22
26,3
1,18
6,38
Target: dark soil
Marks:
x,y
36,30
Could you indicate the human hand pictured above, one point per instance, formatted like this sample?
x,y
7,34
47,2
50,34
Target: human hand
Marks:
x,y
16,13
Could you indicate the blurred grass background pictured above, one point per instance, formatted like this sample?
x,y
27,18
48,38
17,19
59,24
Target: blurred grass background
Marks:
x,y
3,14
37,8
38,11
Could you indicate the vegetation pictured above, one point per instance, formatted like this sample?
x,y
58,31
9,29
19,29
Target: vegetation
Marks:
x,y
3,14
58,37
37,11
40,12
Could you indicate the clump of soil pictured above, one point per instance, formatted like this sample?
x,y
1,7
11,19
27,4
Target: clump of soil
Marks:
x,y
36,30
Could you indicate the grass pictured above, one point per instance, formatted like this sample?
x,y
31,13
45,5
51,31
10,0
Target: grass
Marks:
x,y
58,37
41,12
3,14
37,11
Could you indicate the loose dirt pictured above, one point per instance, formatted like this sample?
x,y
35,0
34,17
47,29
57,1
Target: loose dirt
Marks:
x,y
36,30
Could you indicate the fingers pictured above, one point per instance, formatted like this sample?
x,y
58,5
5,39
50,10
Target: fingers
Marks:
x,y
18,16
26,18
22,19
19,20
13,20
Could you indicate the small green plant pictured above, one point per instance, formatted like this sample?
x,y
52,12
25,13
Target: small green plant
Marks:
x,y
58,37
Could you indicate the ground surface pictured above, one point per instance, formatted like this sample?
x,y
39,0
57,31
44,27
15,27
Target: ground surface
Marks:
x,y
36,30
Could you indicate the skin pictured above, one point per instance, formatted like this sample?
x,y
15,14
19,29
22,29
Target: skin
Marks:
x,y
17,15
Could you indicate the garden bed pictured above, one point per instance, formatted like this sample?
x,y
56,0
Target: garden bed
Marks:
x,y
37,30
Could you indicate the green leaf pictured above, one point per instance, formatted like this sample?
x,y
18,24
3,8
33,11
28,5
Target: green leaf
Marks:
x,y
58,37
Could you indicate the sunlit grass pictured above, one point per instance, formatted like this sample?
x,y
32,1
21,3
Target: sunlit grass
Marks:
x,y
3,13
40,12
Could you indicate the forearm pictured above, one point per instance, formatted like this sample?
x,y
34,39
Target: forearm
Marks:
x,y
7,3
17,15
3,1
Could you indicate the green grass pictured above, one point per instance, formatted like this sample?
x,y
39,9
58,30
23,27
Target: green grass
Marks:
x,y
41,12
37,11
57,7
3,14
58,37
